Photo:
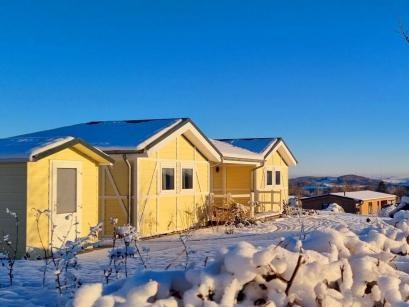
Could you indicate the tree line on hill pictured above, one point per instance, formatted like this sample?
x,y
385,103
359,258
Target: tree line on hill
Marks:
x,y
314,186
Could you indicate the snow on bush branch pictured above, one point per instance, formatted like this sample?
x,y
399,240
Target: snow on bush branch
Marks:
x,y
118,255
62,259
332,267
9,249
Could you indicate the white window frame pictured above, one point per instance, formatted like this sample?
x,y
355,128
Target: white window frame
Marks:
x,y
277,169
168,165
187,165
273,179
269,169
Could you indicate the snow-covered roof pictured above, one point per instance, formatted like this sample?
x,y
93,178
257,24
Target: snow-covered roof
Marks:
x,y
257,145
364,195
111,135
24,148
261,147
231,151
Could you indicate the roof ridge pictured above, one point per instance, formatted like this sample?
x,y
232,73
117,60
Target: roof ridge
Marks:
x,y
95,122
250,138
256,145
234,146
133,120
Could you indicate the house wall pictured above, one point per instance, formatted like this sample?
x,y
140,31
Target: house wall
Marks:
x,y
38,194
238,179
234,179
273,162
13,195
112,206
166,211
376,204
321,202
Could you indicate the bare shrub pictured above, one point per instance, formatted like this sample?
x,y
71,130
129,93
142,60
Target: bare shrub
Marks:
x,y
9,253
124,246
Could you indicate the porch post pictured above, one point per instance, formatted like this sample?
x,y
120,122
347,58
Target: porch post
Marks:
x,y
252,204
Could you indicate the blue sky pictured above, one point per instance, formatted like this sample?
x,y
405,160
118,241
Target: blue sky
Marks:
x,y
331,77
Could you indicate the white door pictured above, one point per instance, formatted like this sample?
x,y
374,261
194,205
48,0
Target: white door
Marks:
x,y
66,201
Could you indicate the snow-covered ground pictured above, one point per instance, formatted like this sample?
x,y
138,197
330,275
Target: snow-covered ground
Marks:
x,y
168,250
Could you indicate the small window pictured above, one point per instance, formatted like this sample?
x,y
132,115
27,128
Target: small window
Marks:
x,y
278,178
269,178
370,208
187,178
66,190
168,179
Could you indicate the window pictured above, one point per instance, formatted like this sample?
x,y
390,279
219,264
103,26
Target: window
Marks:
x,y
66,190
168,179
187,178
278,178
370,208
269,178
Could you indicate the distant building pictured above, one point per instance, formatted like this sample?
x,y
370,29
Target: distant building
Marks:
x,y
359,202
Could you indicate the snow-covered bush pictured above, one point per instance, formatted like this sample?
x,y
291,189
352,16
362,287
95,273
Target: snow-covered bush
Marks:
x,y
9,249
62,259
390,210
332,267
65,260
238,215
387,211
334,207
124,246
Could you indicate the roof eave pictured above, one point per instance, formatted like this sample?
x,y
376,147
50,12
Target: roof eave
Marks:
x,y
104,158
291,160
213,153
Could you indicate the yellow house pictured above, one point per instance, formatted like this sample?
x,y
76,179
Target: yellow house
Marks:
x,y
253,171
167,174
55,174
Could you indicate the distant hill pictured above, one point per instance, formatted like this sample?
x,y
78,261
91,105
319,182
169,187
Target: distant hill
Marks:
x,y
312,185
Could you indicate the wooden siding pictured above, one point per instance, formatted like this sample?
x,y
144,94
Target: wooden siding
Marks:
x,y
238,179
376,205
273,162
115,179
321,202
234,179
166,211
38,177
13,195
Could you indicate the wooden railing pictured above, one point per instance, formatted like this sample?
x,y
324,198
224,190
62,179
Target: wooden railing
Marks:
x,y
255,200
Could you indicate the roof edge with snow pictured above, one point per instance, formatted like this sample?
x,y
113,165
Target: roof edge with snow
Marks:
x,y
43,150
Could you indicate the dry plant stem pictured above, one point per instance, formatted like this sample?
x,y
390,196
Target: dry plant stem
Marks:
x,y
55,260
12,251
186,251
112,259
290,282
174,260
140,255
12,260
38,215
126,259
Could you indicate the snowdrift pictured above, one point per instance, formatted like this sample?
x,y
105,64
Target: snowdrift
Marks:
x,y
331,267
334,207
